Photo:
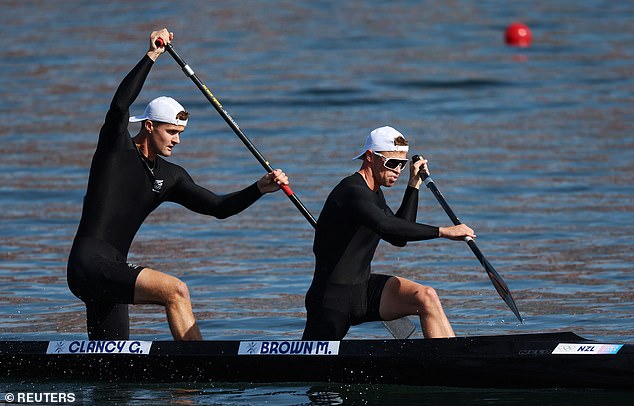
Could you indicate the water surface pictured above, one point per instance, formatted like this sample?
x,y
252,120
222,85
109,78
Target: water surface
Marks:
x,y
531,147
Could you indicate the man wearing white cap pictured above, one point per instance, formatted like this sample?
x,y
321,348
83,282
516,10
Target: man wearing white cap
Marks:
x,y
128,180
355,217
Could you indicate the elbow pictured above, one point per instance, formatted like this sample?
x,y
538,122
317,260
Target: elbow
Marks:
x,y
391,235
398,243
221,216
209,211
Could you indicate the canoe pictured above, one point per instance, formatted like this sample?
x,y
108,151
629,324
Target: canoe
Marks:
x,y
552,360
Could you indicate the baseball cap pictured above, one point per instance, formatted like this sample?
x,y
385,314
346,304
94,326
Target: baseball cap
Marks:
x,y
163,109
383,139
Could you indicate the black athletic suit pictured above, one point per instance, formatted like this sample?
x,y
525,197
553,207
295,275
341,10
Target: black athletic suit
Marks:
x,y
353,220
122,192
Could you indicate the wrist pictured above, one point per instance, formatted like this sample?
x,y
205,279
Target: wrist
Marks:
x,y
415,183
153,54
261,187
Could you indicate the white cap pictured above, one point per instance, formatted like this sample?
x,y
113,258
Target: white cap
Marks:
x,y
163,109
382,140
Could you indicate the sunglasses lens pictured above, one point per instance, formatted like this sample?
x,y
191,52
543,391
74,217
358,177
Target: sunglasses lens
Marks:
x,y
393,163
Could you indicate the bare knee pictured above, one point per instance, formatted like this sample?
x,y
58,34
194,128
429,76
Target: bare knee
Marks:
x,y
427,299
159,288
178,293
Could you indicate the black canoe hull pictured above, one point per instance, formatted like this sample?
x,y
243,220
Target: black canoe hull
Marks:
x,y
519,361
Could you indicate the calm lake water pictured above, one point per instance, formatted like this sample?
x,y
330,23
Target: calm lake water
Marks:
x,y
533,148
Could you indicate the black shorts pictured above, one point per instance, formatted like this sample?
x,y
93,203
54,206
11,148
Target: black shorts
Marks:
x,y
99,275
98,272
333,308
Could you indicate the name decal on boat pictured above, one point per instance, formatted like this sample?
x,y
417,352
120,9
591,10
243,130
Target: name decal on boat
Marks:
x,y
99,347
588,349
288,348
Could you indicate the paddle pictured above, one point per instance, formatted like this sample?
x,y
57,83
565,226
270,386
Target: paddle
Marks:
x,y
496,279
400,328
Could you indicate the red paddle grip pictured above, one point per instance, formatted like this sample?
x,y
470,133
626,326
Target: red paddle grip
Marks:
x,y
159,42
287,189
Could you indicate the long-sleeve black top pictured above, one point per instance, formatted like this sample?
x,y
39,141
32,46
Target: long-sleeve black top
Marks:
x,y
352,222
122,191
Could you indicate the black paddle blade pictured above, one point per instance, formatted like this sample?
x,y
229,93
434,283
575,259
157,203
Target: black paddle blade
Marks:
x,y
498,282
400,328
496,279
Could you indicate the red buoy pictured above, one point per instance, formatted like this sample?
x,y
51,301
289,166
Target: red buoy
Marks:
x,y
518,35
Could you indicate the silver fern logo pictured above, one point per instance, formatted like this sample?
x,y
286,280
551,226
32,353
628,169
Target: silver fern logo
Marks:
x,y
158,184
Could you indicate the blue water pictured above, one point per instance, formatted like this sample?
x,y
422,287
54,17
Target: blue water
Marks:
x,y
531,147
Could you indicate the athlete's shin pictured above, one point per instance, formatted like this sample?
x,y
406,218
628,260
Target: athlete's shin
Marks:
x,y
433,321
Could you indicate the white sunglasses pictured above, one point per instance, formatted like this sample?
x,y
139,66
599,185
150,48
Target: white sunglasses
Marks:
x,y
392,163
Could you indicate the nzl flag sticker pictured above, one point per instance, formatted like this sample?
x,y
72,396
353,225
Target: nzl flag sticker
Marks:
x,y
587,349
81,347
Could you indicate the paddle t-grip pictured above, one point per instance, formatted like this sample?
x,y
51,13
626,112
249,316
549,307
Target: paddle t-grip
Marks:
x,y
423,175
159,42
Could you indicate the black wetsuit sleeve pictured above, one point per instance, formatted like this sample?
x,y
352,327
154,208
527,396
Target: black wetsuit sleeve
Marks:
x,y
200,200
409,205
395,230
114,133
